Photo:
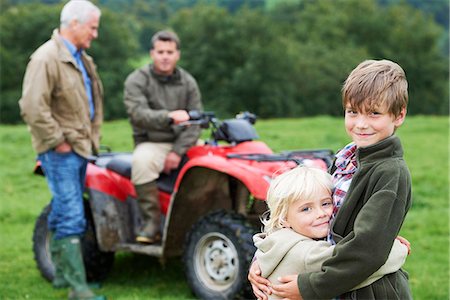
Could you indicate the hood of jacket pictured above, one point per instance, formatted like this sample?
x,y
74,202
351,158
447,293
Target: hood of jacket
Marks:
x,y
270,251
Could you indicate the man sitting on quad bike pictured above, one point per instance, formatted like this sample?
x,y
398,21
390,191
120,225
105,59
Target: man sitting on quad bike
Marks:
x,y
157,98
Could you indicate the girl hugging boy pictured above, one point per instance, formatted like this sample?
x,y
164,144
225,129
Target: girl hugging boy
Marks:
x,y
294,238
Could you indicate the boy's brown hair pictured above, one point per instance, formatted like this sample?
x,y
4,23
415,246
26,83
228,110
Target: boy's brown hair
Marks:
x,y
376,83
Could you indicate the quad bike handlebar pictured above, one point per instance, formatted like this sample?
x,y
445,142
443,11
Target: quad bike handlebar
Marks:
x,y
234,131
196,117
208,117
240,129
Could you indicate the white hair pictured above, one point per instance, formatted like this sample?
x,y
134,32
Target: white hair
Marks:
x,y
301,182
80,10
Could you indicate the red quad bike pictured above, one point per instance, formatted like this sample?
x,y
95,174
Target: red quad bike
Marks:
x,y
211,207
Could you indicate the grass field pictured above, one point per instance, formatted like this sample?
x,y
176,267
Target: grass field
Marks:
x,y
23,195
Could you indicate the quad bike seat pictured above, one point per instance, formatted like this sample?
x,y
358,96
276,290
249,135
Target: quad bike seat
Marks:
x,y
120,163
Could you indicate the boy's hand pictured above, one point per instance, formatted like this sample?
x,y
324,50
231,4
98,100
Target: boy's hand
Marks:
x,y
260,285
288,288
405,242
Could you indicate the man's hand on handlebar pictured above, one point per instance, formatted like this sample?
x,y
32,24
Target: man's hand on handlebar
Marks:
x,y
179,116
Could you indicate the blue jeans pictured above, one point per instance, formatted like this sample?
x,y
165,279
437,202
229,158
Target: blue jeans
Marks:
x,y
65,173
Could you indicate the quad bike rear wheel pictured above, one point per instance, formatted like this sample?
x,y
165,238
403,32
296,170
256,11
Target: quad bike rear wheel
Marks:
x,y
97,263
217,256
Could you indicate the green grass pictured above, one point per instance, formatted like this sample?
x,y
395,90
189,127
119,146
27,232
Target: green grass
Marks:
x,y
23,195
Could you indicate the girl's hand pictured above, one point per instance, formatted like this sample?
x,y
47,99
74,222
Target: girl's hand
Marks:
x,y
405,242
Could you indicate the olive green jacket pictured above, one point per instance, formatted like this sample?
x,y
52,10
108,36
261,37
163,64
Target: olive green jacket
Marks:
x,y
150,97
365,228
54,103
285,252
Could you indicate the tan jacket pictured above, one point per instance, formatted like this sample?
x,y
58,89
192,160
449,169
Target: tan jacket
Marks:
x,y
54,103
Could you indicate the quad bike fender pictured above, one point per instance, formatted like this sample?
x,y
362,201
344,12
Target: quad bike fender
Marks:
x,y
208,184
108,206
115,211
256,180
111,206
108,182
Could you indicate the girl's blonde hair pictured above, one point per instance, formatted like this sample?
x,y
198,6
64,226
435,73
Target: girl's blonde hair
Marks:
x,y
299,183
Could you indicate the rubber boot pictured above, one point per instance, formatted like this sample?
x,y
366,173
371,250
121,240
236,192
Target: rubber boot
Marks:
x,y
58,281
149,206
73,269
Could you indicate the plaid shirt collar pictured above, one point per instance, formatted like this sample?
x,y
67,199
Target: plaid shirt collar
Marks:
x,y
346,166
346,160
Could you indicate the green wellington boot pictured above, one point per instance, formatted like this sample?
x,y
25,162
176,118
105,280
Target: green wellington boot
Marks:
x,y
73,269
58,281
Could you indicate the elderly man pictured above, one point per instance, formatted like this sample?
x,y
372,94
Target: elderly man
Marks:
x,y
62,105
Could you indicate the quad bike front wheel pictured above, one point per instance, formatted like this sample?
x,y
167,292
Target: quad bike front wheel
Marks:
x,y
97,263
218,252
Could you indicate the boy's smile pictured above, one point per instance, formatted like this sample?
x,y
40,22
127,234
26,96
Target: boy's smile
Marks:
x,y
369,127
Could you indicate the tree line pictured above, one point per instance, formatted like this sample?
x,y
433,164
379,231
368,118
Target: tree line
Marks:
x,y
286,59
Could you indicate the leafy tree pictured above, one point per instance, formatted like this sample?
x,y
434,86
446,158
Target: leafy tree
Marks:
x,y
335,38
413,44
4,4
237,59
262,82
321,73
207,51
275,58
293,60
23,28
439,9
116,45
150,15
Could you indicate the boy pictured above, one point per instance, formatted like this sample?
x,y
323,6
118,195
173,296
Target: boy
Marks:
x,y
372,195
300,206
